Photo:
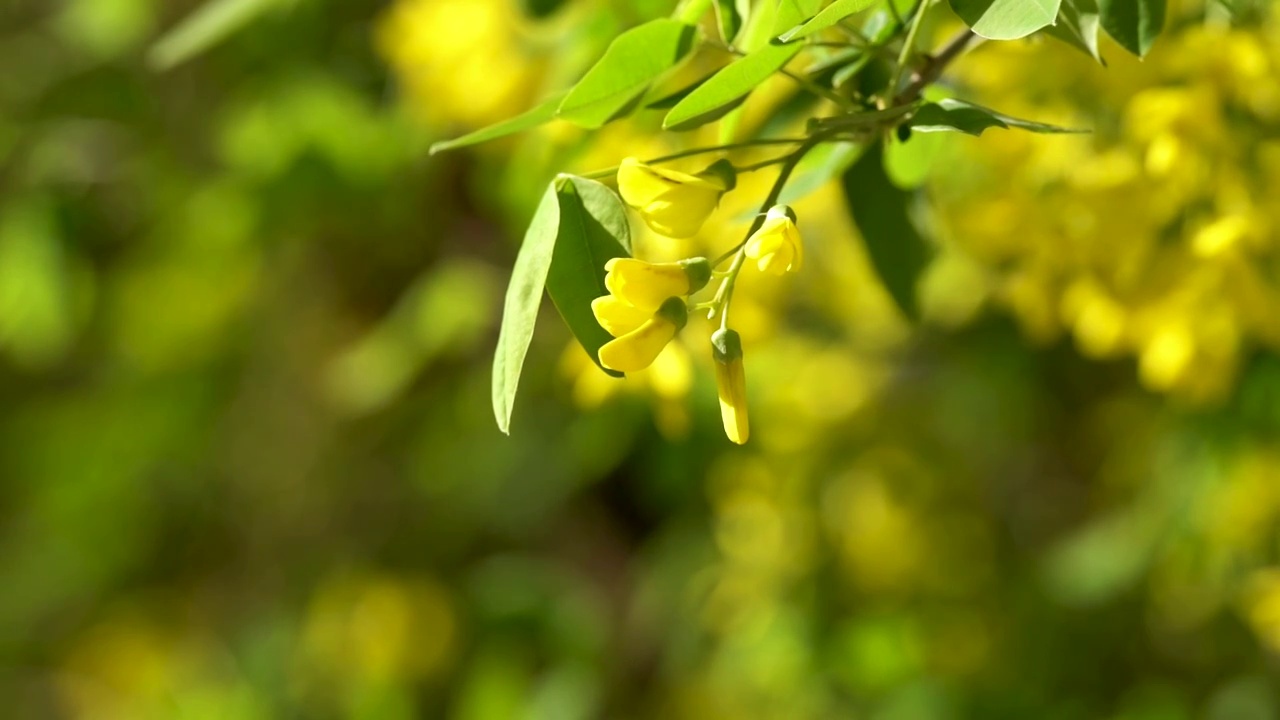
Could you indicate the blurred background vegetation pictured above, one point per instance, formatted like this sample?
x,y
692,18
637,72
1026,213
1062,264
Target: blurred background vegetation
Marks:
x,y
248,466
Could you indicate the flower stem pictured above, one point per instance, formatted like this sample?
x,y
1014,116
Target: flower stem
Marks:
x,y
724,294
703,151
909,44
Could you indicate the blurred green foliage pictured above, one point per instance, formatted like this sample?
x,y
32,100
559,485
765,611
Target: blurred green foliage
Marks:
x,y
248,467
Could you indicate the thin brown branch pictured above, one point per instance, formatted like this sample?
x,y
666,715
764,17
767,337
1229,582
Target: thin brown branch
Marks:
x,y
934,66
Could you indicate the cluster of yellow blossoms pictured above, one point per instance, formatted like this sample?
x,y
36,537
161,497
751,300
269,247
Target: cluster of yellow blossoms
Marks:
x,y
1154,237
648,303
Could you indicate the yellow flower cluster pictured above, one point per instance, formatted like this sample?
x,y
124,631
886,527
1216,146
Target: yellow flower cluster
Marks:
x,y
1154,237
647,302
672,203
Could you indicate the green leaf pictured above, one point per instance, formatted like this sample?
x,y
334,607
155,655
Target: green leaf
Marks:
x,y
1007,19
832,14
791,13
728,20
528,120
1135,24
520,311
634,59
910,163
1077,25
578,226
819,166
207,26
729,86
881,211
593,229
952,115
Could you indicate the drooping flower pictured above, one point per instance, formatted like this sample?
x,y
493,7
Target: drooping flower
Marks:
x,y
673,203
636,348
776,246
731,383
648,285
617,317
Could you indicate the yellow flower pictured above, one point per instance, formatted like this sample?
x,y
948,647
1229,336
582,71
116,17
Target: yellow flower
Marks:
x,y
618,317
648,285
731,383
672,203
637,348
776,245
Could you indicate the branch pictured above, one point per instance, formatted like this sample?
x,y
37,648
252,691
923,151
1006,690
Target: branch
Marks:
x,y
934,66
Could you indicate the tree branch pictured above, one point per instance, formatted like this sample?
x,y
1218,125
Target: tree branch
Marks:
x,y
934,66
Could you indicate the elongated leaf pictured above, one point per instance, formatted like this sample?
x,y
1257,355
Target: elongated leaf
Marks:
x,y
578,226
881,211
1135,24
791,13
593,229
728,20
952,115
207,26
758,29
634,59
1007,19
1078,24
526,121
830,15
729,86
520,311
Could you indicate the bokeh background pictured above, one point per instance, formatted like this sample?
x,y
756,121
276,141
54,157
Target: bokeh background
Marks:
x,y
249,469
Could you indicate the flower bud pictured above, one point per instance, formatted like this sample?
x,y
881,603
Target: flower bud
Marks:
x,y
776,246
731,383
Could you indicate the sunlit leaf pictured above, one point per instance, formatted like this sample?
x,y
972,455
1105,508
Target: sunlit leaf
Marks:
x,y
728,20
633,60
1078,24
544,112
830,15
729,86
520,311
791,13
1006,19
950,115
578,226
593,229
1135,24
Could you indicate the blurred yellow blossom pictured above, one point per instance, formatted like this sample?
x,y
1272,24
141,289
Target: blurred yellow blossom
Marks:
x,y
1155,237
459,61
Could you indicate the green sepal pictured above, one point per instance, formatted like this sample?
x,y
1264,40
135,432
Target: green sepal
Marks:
x,y
674,310
699,272
726,346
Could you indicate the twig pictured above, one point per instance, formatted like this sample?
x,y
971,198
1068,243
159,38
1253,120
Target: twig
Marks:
x,y
908,45
703,151
935,65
